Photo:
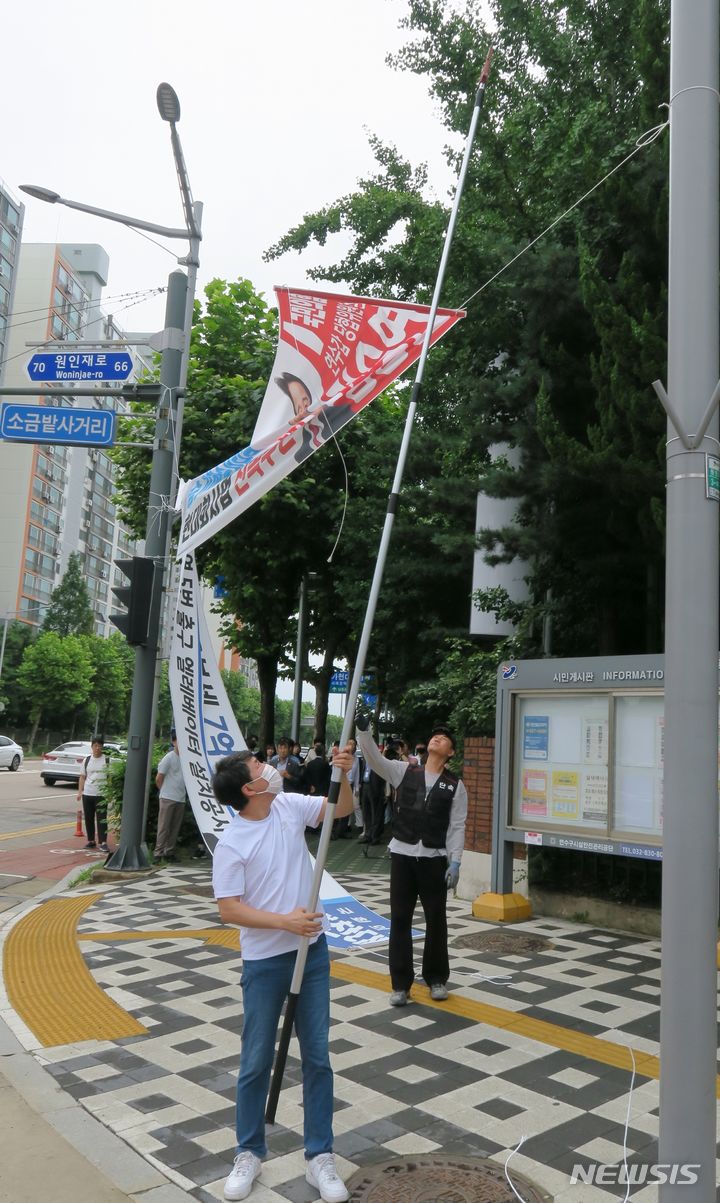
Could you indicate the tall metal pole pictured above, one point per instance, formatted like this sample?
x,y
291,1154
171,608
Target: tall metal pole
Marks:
x,y
299,662
131,852
354,690
688,1023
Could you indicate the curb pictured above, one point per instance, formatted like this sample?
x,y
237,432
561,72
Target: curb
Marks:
x,y
123,1168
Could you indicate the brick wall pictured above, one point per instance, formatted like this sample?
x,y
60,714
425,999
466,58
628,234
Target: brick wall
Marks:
x,y
478,777
478,769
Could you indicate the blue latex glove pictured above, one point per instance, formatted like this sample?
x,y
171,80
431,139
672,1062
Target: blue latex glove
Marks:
x,y
452,876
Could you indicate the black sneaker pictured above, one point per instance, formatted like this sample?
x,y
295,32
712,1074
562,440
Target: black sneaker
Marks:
x,y
90,844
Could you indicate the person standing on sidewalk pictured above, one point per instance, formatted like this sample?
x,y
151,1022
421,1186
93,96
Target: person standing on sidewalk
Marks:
x,y
91,791
429,813
262,880
171,786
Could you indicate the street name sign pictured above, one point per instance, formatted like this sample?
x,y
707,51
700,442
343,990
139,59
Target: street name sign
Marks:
x,y
57,424
57,367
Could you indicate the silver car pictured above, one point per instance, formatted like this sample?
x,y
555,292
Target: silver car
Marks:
x,y
66,762
11,754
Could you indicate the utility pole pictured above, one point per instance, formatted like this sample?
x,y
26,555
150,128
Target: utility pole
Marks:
x,y
688,1022
299,663
131,852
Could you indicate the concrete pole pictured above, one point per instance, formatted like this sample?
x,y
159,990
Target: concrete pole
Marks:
x,y
688,1025
132,852
299,663
4,640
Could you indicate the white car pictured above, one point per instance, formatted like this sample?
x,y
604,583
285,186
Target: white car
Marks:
x,y
11,754
65,763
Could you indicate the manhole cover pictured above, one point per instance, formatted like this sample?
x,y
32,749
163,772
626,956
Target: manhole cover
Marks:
x,y
439,1179
503,941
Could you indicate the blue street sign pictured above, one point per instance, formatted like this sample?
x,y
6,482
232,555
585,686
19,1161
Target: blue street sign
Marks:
x,y
56,424
54,367
340,681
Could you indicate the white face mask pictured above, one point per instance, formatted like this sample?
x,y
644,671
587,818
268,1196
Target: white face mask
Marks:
x,y
272,779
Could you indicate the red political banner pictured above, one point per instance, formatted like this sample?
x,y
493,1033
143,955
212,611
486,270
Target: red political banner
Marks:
x,y
335,354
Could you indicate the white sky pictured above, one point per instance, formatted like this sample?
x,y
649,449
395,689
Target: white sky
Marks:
x,y
276,99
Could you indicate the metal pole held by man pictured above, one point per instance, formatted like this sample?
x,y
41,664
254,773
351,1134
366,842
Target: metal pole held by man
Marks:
x,y
354,690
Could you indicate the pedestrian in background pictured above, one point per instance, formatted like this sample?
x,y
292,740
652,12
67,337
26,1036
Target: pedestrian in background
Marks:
x,y
171,787
91,790
288,766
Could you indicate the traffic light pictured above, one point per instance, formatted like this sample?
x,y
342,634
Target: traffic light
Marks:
x,y
136,597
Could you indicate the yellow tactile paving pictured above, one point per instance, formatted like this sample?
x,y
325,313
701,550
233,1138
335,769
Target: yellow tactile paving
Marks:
x,y
572,1041
49,985
66,1005
226,937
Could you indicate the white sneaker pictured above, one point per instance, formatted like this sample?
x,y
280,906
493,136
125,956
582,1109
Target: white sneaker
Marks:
x,y
321,1172
245,1170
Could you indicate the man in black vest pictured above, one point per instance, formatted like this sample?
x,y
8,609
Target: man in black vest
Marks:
x,y
429,813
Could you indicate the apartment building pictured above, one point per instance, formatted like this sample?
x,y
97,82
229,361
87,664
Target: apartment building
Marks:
x,y
11,221
56,500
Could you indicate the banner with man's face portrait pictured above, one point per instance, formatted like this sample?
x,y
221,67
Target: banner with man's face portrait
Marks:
x,y
335,354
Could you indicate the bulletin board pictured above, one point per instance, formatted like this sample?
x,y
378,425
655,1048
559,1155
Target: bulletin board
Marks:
x,y
579,757
561,761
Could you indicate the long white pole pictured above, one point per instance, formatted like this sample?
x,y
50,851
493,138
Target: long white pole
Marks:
x,y
354,690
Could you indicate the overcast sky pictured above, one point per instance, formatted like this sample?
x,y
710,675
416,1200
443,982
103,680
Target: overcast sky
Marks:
x,y
277,99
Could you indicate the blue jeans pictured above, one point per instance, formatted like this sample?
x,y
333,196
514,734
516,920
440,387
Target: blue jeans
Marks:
x,y
265,985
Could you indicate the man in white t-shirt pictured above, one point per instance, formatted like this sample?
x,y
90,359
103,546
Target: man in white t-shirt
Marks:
x,y
91,789
171,785
262,879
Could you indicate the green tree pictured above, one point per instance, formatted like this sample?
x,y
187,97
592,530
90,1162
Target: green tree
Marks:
x,y
111,685
69,611
55,679
555,358
19,635
244,700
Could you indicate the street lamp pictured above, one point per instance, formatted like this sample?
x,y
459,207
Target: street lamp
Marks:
x,y
131,852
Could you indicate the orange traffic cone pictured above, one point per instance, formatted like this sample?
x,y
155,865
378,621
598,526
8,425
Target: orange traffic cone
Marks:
x,y
79,833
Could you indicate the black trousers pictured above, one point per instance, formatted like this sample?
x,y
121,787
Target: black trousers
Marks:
x,y
95,807
413,877
372,804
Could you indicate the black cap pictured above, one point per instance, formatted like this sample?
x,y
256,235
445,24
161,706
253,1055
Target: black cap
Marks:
x,y
439,730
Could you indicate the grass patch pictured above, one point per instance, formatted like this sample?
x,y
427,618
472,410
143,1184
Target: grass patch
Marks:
x,y
83,877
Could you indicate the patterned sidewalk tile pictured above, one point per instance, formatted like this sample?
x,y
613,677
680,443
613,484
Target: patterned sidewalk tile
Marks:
x,y
407,1080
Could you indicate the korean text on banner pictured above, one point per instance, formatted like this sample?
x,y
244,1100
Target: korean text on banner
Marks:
x,y
335,354
204,722
206,731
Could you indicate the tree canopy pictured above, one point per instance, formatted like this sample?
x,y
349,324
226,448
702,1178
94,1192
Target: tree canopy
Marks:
x,y
554,359
556,355
69,611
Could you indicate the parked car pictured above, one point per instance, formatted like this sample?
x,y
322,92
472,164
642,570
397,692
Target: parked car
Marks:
x,y
11,754
65,763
